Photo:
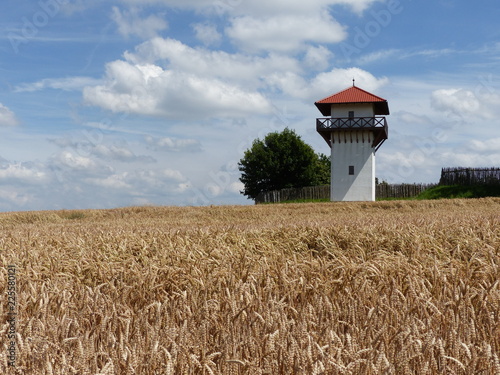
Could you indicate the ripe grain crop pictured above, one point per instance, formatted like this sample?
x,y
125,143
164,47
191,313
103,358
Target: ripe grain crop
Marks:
x,y
409,287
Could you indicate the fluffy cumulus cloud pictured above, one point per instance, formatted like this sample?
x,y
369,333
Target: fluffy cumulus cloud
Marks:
x,y
239,68
167,78
21,184
471,104
458,101
22,172
325,83
317,58
336,79
73,161
154,91
284,33
7,117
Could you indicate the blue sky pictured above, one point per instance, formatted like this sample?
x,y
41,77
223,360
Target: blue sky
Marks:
x,y
116,103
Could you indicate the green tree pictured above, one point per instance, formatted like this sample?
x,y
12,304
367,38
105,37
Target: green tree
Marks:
x,y
282,160
324,170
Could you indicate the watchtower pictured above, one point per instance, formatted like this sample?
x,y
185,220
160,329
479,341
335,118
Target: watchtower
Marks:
x,y
354,131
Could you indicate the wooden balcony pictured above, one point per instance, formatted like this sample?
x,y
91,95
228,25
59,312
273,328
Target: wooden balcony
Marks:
x,y
377,125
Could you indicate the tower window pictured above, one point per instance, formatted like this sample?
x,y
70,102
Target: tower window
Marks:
x,y
351,170
351,114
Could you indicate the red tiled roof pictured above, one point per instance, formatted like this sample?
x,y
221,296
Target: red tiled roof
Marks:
x,y
353,95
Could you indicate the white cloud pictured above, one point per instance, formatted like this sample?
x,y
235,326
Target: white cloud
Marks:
x,y
325,84
185,4
173,175
317,58
238,68
258,7
120,153
420,158
143,182
339,79
75,6
488,146
7,117
156,182
174,144
236,187
469,159
75,162
261,7
400,54
117,152
111,182
21,172
13,196
171,94
207,33
379,55
432,53
357,6
65,84
284,33
129,22
412,118
194,90
263,25
458,101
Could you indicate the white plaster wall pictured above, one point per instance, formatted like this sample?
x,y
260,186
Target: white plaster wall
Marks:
x,y
360,110
352,148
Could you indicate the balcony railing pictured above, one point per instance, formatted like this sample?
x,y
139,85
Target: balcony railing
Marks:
x,y
350,123
378,125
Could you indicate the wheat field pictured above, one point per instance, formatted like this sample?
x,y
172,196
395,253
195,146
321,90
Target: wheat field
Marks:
x,y
402,287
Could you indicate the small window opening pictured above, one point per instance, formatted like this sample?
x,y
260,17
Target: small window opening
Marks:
x,y
351,114
351,170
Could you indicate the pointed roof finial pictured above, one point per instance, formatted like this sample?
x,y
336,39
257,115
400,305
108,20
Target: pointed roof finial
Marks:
x,y
353,82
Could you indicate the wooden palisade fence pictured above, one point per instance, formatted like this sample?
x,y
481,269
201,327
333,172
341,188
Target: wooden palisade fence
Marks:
x,y
309,192
470,176
383,190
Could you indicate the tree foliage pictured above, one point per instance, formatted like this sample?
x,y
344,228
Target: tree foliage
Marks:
x,y
282,160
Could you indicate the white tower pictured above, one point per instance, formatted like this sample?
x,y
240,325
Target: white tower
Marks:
x,y
355,130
